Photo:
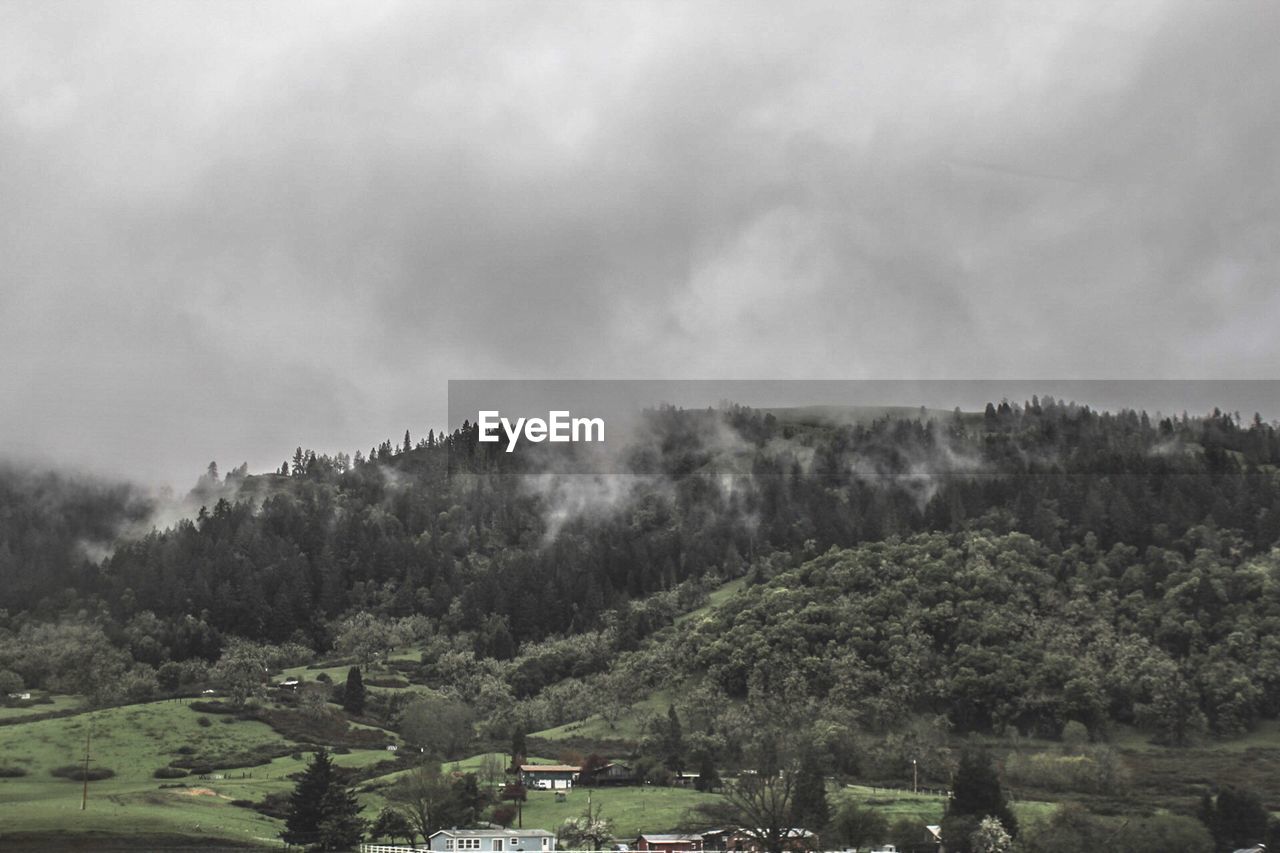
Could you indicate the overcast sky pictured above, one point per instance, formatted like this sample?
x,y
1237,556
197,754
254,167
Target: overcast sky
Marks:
x,y
232,228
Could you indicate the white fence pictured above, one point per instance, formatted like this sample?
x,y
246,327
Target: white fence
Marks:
x,y
399,848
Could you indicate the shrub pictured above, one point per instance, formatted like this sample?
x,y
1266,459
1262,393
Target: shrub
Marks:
x,y
11,772
186,750
213,706
226,719
169,773
208,763
204,722
77,773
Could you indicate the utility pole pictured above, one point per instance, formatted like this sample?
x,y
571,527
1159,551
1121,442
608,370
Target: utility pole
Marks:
x,y
915,777
84,796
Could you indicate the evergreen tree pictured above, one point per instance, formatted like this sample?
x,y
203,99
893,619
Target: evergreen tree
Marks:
x,y
341,827
517,750
708,776
976,794
672,742
809,802
354,696
323,813
1236,819
470,799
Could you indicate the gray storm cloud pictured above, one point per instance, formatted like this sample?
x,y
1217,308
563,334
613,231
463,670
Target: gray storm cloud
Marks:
x,y
236,228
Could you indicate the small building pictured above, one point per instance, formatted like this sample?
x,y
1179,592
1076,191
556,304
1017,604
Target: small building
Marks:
x,y
492,841
549,777
716,839
794,839
615,773
668,843
685,780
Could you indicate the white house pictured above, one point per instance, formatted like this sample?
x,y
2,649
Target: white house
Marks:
x,y
550,777
492,841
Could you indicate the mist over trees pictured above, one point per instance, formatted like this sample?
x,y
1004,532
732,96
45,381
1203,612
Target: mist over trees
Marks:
x,y
1029,566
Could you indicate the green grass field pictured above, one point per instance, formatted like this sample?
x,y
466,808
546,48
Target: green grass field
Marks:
x,y
924,807
133,741
59,703
633,810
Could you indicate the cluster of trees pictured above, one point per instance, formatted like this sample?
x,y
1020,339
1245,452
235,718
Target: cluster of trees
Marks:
x,y
424,800
1127,575
447,528
1002,633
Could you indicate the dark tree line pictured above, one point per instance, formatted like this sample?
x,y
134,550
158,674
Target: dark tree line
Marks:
x,y
450,529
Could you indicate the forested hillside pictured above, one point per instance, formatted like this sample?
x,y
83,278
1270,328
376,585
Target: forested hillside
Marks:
x,y
1077,565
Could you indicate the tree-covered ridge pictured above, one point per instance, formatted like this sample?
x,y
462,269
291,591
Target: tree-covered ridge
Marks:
x,y
1001,633
501,562
401,535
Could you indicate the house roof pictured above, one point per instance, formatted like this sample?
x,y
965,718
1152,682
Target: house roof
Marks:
x,y
550,768
667,838
492,833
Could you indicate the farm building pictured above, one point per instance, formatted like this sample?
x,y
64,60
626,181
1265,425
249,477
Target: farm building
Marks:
x,y
549,776
615,773
795,840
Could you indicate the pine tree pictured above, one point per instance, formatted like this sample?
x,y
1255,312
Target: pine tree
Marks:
x,y
354,695
341,828
976,794
708,776
673,742
324,814
517,750
809,801
1236,819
